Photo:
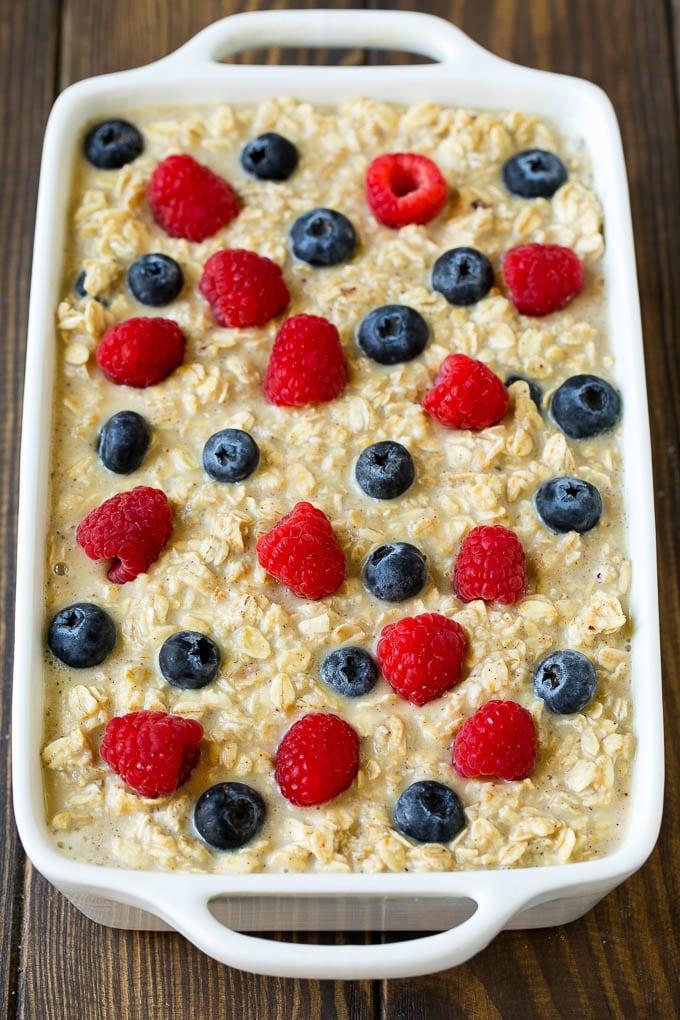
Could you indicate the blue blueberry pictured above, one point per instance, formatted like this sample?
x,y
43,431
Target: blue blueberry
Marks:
x,y
565,681
395,572
429,812
81,635
350,671
112,143
393,333
230,455
585,406
568,504
385,470
270,157
533,173
79,289
463,275
535,391
189,660
229,815
323,237
123,442
155,279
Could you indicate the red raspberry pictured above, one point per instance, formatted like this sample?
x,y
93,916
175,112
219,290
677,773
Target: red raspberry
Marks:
x,y
466,394
542,278
317,759
402,187
498,740
152,752
141,352
307,365
189,200
421,656
302,552
490,566
131,528
243,288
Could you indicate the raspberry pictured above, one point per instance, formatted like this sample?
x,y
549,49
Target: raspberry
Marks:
x,y
542,278
242,288
307,365
131,528
140,352
421,656
302,552
490,566
403,187
466,394
498,740
189,200
317,759
152,752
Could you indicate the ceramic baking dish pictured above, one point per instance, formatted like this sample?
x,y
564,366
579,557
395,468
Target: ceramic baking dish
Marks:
x,y
467,908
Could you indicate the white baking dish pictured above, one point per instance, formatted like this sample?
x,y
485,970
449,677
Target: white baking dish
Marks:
x,y
471,907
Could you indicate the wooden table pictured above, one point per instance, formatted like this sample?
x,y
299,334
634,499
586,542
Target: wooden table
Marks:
x,y
623,958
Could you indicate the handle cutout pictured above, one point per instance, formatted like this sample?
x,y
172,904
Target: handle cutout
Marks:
x,y
289,56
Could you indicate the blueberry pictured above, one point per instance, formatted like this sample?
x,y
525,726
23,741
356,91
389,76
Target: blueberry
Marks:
x,y
350,671
385,470
565,681
568,504
123,442
429,812
535,391
229,815
112,144
323,237
393,333
81,635
189,660
463,275
155,279
585,406
270,157
533,173
230,455
395,572
79,289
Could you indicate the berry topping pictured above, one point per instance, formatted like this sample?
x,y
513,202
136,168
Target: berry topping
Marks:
x,y
243,288
565,681
429,812
188,200
130,528
535,391
395,572
155,279
123,442
317,759
306,365
154,753
392,334
498,740
302,552
189,660
81,635
463,276
323,237
141,352
79,289
585,406
230,455
229,815
491,566
542,278
403,187
349,671
270,157
421,656
112,144
568,504
534,173
466,394
385,470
